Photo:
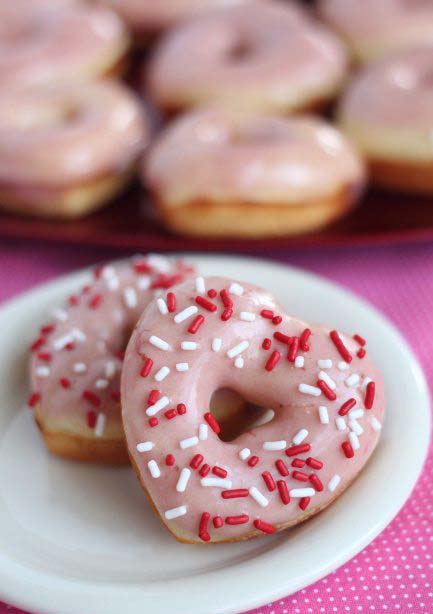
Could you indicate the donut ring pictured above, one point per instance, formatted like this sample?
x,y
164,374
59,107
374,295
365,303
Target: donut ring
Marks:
x,y
77,358
260,57
326,394
219,173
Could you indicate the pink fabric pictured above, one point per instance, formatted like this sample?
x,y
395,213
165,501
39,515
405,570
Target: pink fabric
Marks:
x,y
394,573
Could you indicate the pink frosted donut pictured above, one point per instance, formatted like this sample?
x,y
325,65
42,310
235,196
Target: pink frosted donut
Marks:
x,y
326,395
66,150
259,57
375,28
77,358
41,45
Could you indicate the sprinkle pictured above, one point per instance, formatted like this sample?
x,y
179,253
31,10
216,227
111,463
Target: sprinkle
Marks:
x,y
300,436
182,366
212,422
130,297
101,384
182,482
195,324
200,285
307,389
145,446
352,380
340,423
274,445
266,344
239,362
44,356
325,363
153,422
264,526
299,362
327,391
272,361
159,343
355,427
316,482
196,461
347,449
188,442
282,337
175,512
216,344
42,371
226,314
342,349
235,494
328,380
269,481
186,313
205,303
356,413
334,482
304,340
267,313
295,450
361,353
360,340
369,395
253,461
281,468
217,520
91,419
170,460
299,475
347,406
277,320
236,289
162,306
156,407
60,314
62,342
171,302
204,470
343,366
314,463
181,409
258,496
153,397
34,399
189,345
110,368
92,398
154,469
247,316
298,463
170,414
323,414
354,441
203,432
148,363
162,374
299,493
100,425
283,491
227,301
217,482
202,528
38,343
304,503
237,349
375,424
219,471
244,453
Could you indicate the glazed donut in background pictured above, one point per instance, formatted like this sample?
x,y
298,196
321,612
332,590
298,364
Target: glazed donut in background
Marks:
x,y
387,112
260,57
65,44
218,173
376,28
327,397
67,150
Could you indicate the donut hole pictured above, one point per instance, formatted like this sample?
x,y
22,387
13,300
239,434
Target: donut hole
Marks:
x,y
235,415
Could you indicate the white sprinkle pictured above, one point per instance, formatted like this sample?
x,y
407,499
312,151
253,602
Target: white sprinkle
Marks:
x,y
352,380
355,427
307,389
375,424
160,263
274,445
175,512
112,283
237,349
343,366
236,289
365,382
216,344
239,362
108,271
334,482
299,361
200,285
189,345
162,374
143,282
323,414
182,482
60,314
188,442
145,446
328,380
340,423
43,371
325,363
203,432
185,313
162,306
100,425
217,482
302,492
61,342
79,367
356,413
159,343
78,335
258,496
182,366
244,453
130,297
154,469
156,407
100,384
300,436
247,316
354,441
110,369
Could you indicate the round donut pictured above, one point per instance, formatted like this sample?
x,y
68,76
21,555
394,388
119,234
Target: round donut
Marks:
x,y
66,150
219,173
326,395
374,29
41,45
259,57
388,113
77,358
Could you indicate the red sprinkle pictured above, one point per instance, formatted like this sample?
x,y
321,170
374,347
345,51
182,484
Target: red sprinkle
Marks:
x,y
369,395
34,399
235,493
253,461
299,475
148,364
347,449
46,330
264,526
120,355
360,340
241,519
300,449
212,293
226,314
273,360
227,301
93,398
282,468
282,337
196,461
267,313
217,522
95,301
314,463
202,531
91,419
181,409
277,320
304,340
219,471
304,503
284,493
195,324
329,394
294,347
115,395
73,300
166,281
316,482
269,481
64,382
205,303
212,422
346,407
342,349
70,346
361,353
171,302
153,421
153,397
204,470
170,460
45,356
266,344
170,414
40,341
141,266
298,463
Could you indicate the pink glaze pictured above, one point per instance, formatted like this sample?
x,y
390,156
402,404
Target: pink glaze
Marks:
x,y
97,322
374,29
43,45
67,134
221,156
255,57
296,422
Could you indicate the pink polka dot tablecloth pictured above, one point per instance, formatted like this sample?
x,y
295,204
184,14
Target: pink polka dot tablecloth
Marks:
x,y
394,574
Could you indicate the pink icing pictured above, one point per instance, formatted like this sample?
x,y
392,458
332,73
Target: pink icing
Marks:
x,y
172,483
83,351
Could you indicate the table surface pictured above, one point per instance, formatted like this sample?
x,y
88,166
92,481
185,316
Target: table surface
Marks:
x,y
395,572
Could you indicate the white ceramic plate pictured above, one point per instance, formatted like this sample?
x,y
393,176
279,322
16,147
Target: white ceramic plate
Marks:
x,y
76,539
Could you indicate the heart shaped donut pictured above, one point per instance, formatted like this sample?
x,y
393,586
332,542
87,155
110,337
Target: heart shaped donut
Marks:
x,y
327,403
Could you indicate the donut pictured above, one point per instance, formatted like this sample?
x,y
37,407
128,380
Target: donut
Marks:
x,y
66,150
374,29
42,45
326,395
259,57
220,173
388,113
77,357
